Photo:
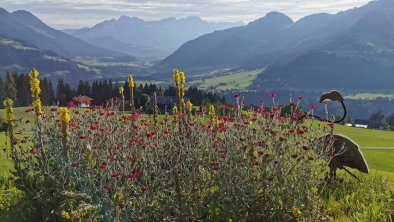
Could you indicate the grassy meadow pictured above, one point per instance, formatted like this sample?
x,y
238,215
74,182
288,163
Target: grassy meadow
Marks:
x,y
228,81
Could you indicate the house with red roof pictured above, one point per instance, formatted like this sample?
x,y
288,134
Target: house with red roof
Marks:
x,y
82,101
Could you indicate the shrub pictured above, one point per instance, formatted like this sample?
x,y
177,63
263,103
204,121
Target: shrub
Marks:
x,y
258,166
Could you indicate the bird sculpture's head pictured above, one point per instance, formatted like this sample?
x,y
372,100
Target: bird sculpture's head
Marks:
x,y
333,96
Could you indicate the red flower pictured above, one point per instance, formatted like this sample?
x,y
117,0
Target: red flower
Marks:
x,y
260,152
82,137
122,205
270,178
144,189
215,166
331,125
135,174
108,187
103,166
74,165
93,127
306,148
194,190
294,156
299,97
236,95
333,154
300,132
311,158
53,109
312,106
115,174
34,151
271,94
262,143
151,134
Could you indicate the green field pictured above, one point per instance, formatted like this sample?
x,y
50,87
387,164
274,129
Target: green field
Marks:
x,y
369,96
228,81
367,137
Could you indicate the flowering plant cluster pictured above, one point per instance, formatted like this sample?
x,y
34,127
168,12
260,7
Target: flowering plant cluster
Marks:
x,y
258,166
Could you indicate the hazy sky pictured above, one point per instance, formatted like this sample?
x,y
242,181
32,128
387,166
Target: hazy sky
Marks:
x,y
82,13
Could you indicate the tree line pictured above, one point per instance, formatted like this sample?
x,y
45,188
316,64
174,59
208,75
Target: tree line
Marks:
x,y
16,86
379,120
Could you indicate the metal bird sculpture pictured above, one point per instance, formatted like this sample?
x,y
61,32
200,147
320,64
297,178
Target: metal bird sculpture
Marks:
x,y
347,153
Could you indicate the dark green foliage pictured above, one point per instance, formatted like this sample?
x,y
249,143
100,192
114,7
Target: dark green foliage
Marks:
x,y
377,120
390,121
3,125
10,87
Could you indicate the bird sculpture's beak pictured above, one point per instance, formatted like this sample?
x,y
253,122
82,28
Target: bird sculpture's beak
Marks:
x,y
333,96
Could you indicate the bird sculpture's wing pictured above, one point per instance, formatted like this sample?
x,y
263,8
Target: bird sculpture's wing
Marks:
x,y
351,156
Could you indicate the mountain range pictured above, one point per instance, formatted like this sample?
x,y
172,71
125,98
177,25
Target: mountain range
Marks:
x,y
352,50
348,50
137,37
27,42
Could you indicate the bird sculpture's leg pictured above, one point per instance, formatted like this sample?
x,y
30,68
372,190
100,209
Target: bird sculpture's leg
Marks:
x,y
333,173
350,173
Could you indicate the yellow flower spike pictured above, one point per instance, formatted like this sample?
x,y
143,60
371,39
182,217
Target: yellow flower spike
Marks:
x,y
189,106
182,79
296,212
65,116
121,90
174,110
211,111
175,75
118,196
9,110
65,215
130,81
35,92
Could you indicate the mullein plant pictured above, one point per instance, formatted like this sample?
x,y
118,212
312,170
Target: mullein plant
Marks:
x,y
155,109
189,107
121,92
9,120
130,82
64,118
35,92
179,79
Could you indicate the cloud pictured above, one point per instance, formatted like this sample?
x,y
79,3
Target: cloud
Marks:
x,y
81,13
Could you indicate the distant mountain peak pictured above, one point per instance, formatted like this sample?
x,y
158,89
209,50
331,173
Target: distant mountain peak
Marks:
x,y
26,16
274,18
125,18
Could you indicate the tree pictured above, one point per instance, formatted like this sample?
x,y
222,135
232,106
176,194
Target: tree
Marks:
x,y
390,121
23,95
10,87
377,120
2,96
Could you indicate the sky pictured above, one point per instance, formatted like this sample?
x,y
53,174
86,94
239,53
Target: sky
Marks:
x,y
86,13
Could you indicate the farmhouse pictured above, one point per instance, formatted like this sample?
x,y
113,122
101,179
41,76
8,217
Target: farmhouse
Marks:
x,y
82,101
